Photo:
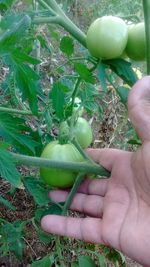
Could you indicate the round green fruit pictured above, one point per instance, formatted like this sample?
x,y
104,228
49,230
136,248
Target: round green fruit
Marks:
x,y
136,45
83,132
107,37
64,153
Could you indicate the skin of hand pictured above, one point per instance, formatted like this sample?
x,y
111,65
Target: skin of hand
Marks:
x,y
118,208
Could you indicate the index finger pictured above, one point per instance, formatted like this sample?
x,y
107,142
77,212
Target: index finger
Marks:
x,y
105,156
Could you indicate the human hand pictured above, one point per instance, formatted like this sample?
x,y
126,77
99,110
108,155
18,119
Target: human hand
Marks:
x,y
118,208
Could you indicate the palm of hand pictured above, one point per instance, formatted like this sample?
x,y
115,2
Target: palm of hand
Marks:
x,y
126,212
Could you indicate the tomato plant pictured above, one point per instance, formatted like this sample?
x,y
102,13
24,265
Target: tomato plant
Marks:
x,y
64,153
136,45
107,37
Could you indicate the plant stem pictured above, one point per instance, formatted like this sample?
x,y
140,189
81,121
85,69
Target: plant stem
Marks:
x,y
72,193
63,21
69,26
146,8
45,5
46,20
76,144
85,167
17,111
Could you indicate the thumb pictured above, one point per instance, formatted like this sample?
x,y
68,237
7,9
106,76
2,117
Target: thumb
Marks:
x,y
139,108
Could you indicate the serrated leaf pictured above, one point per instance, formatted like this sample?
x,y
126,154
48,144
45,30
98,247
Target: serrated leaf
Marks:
x,y
89,97
6,203
37,190
86,261
123,69
67,45
45,262
11,36
58,98
14,135
101,74
7,168
28,83
11,234
84,72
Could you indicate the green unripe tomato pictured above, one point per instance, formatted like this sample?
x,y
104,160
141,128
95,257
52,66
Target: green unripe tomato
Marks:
x,y
64,153
83,132
136,45
107,37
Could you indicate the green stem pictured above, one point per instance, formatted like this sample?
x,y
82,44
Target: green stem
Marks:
x,y
46,20
63,21
69,26
146,7
85,167
45,5
72,193
76,144
17,111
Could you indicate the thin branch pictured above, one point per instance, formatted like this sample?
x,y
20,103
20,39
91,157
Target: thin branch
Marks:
x,y
73,192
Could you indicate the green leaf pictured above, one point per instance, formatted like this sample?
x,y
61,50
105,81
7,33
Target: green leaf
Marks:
x,y
28,83
123,69
44,237
20,57
7,168
11,237
10,37
14,135
90,97
123,93
67,45
37,190
53,209
84,72
45,262
7,203
101,74
58,98
5,4
86,261
44,43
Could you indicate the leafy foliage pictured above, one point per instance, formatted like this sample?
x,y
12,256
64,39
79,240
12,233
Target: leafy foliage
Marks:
x,y
12,238
7,168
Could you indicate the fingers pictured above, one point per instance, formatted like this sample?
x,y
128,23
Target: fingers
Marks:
x,y
139,107
88,204
105,157
87,229
94,187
